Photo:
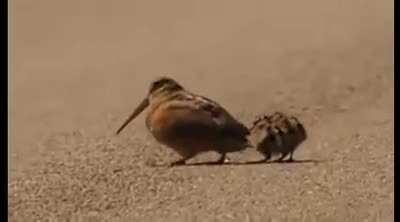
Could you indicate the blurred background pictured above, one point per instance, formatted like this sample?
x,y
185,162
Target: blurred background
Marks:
x,y
73,64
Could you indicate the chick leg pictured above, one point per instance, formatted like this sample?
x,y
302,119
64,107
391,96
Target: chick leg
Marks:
x,y
267,156
290,157
282,157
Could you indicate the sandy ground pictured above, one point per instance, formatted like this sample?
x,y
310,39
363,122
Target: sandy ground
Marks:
x,y
78,68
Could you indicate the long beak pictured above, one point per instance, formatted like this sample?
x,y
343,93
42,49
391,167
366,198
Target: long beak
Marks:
x,y
135,113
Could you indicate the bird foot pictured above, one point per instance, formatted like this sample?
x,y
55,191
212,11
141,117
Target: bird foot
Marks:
x,y
178,163
279,161
289,160
223,160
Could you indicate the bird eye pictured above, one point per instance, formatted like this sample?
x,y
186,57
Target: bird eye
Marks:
x,y
261,126
155,85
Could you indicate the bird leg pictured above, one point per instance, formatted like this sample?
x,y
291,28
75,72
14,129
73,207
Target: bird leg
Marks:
x,y
267,156
290,157
221,160
282,157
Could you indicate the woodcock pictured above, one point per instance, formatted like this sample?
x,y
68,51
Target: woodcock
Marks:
x,y
277,134
188,123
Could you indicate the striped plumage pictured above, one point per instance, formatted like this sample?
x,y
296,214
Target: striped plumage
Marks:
x,y
277,134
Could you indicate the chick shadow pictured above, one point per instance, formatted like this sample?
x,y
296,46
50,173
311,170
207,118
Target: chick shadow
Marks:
x,y
257,162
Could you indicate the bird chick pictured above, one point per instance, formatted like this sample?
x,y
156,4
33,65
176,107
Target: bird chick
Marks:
x,y
277,134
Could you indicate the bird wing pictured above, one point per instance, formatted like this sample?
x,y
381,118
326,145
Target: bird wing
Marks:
x,y
220,116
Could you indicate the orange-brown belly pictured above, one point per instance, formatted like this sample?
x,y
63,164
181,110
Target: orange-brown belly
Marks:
x,y
180,130
190,131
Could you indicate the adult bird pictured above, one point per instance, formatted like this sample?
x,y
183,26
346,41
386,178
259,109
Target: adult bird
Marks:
x,y
188,123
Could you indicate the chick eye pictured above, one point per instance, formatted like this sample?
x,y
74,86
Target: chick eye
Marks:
x,y
260,126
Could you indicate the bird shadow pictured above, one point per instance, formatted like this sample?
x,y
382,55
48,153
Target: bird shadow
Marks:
x,y
257,162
